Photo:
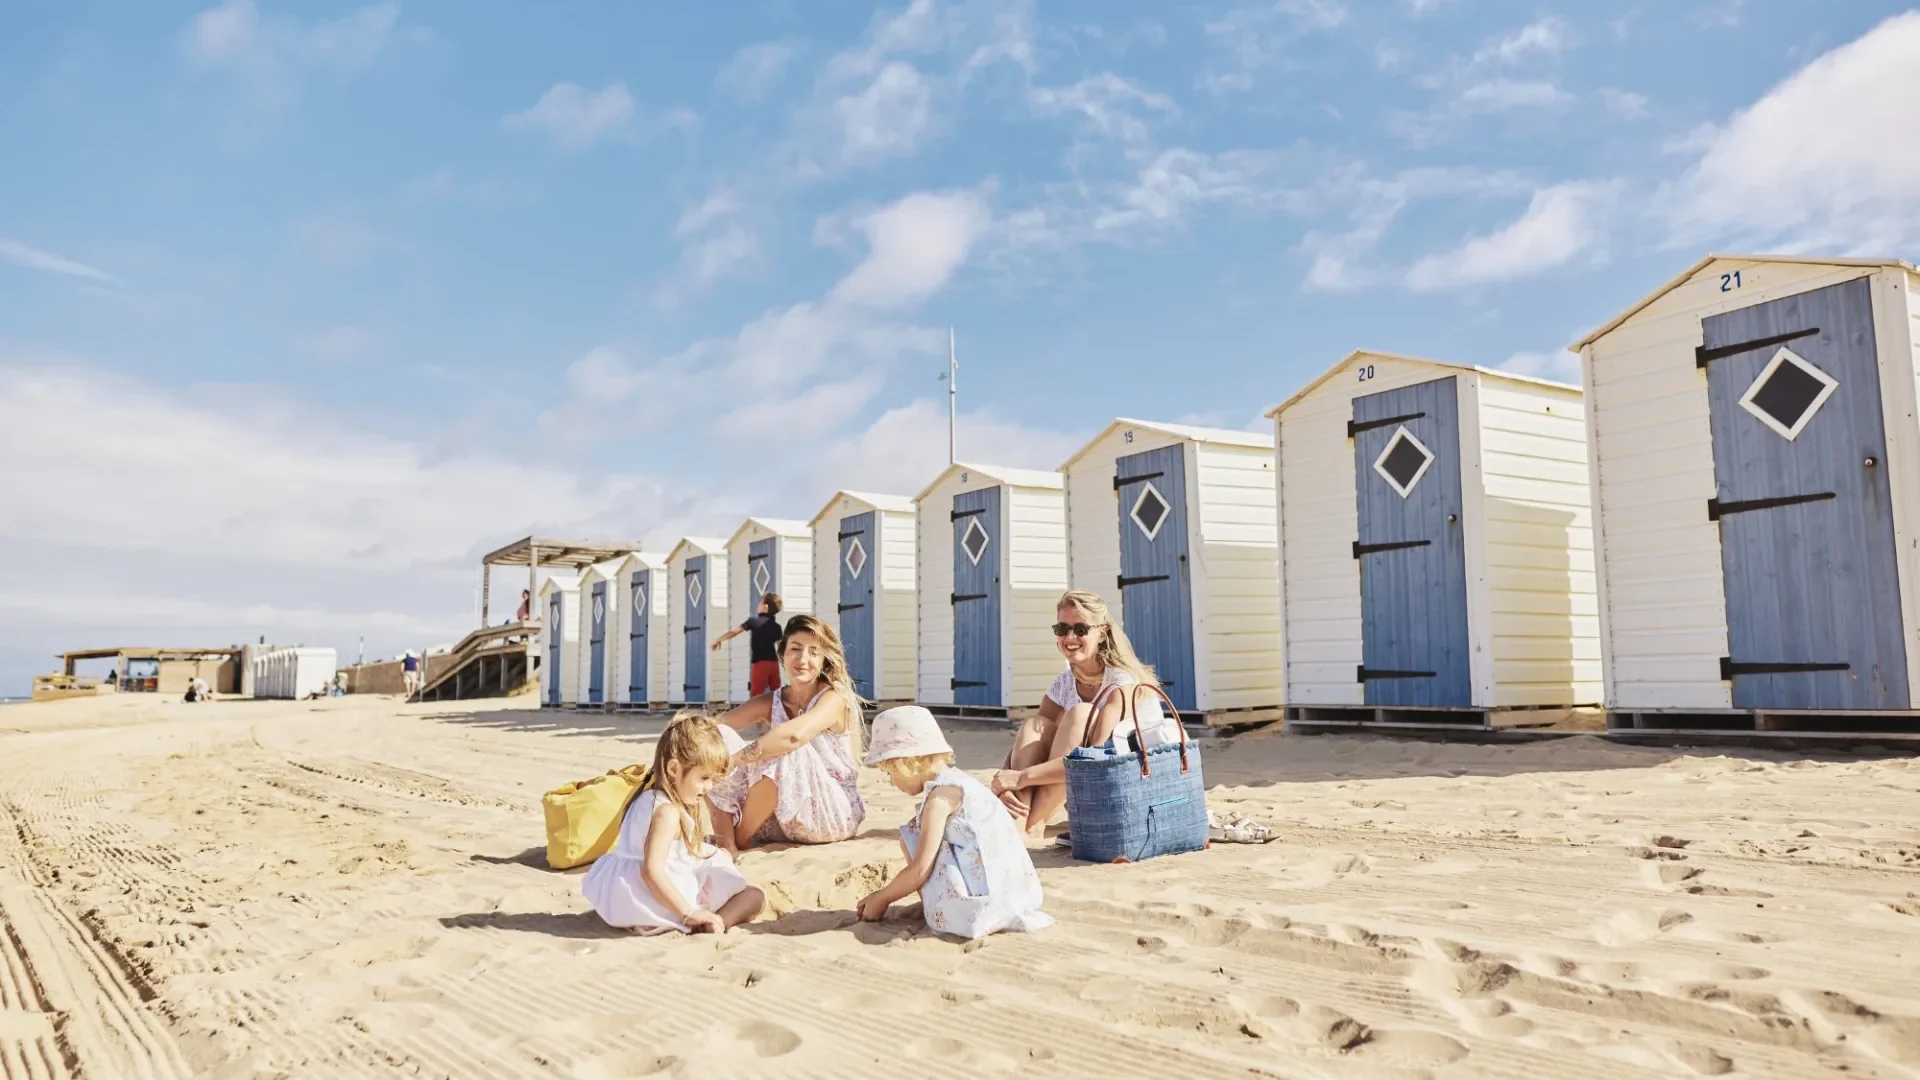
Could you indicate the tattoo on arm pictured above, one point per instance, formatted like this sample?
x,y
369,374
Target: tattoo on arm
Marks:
x,y
750,754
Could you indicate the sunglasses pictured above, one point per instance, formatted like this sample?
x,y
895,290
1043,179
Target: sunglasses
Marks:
x,y
1078,629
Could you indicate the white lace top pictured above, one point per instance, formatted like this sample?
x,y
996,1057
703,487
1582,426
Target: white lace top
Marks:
x,y
1160,728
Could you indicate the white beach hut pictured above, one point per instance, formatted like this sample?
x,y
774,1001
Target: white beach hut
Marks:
x,y
1757,471
1175,526
1436,544
765,555
637,643
599,617
992,561
560,641
864,582
697,609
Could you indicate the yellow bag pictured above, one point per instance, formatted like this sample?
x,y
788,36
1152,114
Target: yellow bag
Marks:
x,y
583,819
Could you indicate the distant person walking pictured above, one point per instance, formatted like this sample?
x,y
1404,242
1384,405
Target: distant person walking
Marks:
x,y
764,634
410,673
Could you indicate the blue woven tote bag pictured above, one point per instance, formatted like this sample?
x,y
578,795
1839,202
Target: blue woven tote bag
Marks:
x,y
1126,807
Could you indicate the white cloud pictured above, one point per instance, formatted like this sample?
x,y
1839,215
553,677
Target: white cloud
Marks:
x,y
34,259
1624,103
754,70
913,248
1342,259
906,447
574,117
1557,364
1508,95
1827,160
274,55
1546,38
885,119
1253,36
1560,223
1177,180
1108,102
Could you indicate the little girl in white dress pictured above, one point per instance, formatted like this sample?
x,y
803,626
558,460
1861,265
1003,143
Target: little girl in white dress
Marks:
x,y
965,856
662,874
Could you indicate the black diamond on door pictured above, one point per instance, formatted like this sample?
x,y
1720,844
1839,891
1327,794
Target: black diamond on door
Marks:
x,y
1787,393
1149,510
1403,462
975,542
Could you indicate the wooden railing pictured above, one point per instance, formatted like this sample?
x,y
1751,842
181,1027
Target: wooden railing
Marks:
x,y
484,641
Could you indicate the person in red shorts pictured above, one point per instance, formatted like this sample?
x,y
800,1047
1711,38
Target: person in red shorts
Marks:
x,y
763,631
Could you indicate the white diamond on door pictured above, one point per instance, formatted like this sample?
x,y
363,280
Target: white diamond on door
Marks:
x,y
975,541
761,578
1403,462
599,607
693,590
639,600
856,557
1150,510
1787,393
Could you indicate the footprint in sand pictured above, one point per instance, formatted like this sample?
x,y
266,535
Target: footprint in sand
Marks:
x,y
1634,927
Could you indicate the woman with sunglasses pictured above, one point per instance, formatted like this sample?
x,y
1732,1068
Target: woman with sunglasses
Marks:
x,y
1033,781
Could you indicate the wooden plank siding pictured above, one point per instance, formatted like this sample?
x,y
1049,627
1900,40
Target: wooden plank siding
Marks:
x,y
1236,590
896,645
933,629
1034,575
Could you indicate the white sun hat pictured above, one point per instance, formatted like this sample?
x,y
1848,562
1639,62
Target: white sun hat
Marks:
x,y
905,731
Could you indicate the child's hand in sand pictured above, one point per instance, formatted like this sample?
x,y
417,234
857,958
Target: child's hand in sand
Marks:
x,y
705,922
874,907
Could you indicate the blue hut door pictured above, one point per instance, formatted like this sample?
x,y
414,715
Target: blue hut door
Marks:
x,y
1413,568
763,571
1802,495
637,638
597,647
857,571
695,688
552,630
976,597
1156,591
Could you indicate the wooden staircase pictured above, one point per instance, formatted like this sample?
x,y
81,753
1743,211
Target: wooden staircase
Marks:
x,y
493,661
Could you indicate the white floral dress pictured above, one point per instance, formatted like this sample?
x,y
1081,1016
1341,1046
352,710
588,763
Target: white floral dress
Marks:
x,y
614,888
983,880
819,786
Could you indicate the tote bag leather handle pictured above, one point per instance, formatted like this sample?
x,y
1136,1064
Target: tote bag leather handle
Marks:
x,y
1130,710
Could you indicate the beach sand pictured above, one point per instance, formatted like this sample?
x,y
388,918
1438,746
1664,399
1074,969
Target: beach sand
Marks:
x,y
356,887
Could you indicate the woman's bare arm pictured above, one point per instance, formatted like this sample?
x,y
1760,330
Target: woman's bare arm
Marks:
x,y
743,716
827,712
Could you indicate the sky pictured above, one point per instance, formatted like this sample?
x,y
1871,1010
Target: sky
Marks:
x,y
306,306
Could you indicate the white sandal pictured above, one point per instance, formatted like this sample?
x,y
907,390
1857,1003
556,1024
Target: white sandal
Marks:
x,y
1238,829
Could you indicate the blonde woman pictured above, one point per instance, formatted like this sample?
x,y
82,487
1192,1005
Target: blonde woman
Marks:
x,y
799,781
1032,784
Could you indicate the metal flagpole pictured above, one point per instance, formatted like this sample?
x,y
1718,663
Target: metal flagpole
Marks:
x,y
953,390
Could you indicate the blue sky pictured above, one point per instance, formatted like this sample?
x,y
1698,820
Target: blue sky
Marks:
x,y
304,306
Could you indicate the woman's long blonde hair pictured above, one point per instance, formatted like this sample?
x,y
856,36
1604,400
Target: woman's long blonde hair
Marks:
x,y
833,672
692,740
1115,650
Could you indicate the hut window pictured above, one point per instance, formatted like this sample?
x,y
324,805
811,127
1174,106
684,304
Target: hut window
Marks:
x,y
693,590
1404,461
1787,393
639,599
975,540
857,558
1150,510
761,576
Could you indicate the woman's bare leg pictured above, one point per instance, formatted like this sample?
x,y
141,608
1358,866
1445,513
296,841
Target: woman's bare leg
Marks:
x,y
1045,801
1030,746
762,799
745,905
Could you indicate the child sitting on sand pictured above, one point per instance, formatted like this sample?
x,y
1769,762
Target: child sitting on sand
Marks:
x,y
652,881
965,856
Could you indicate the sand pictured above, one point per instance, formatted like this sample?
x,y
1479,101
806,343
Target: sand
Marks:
x,y
356,888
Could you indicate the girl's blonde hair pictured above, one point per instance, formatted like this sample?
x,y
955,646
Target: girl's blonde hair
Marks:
x,y
1115,650
692,741
922,765
833,672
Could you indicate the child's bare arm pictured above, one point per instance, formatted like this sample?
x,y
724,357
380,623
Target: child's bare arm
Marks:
x,y
661,832
941,803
